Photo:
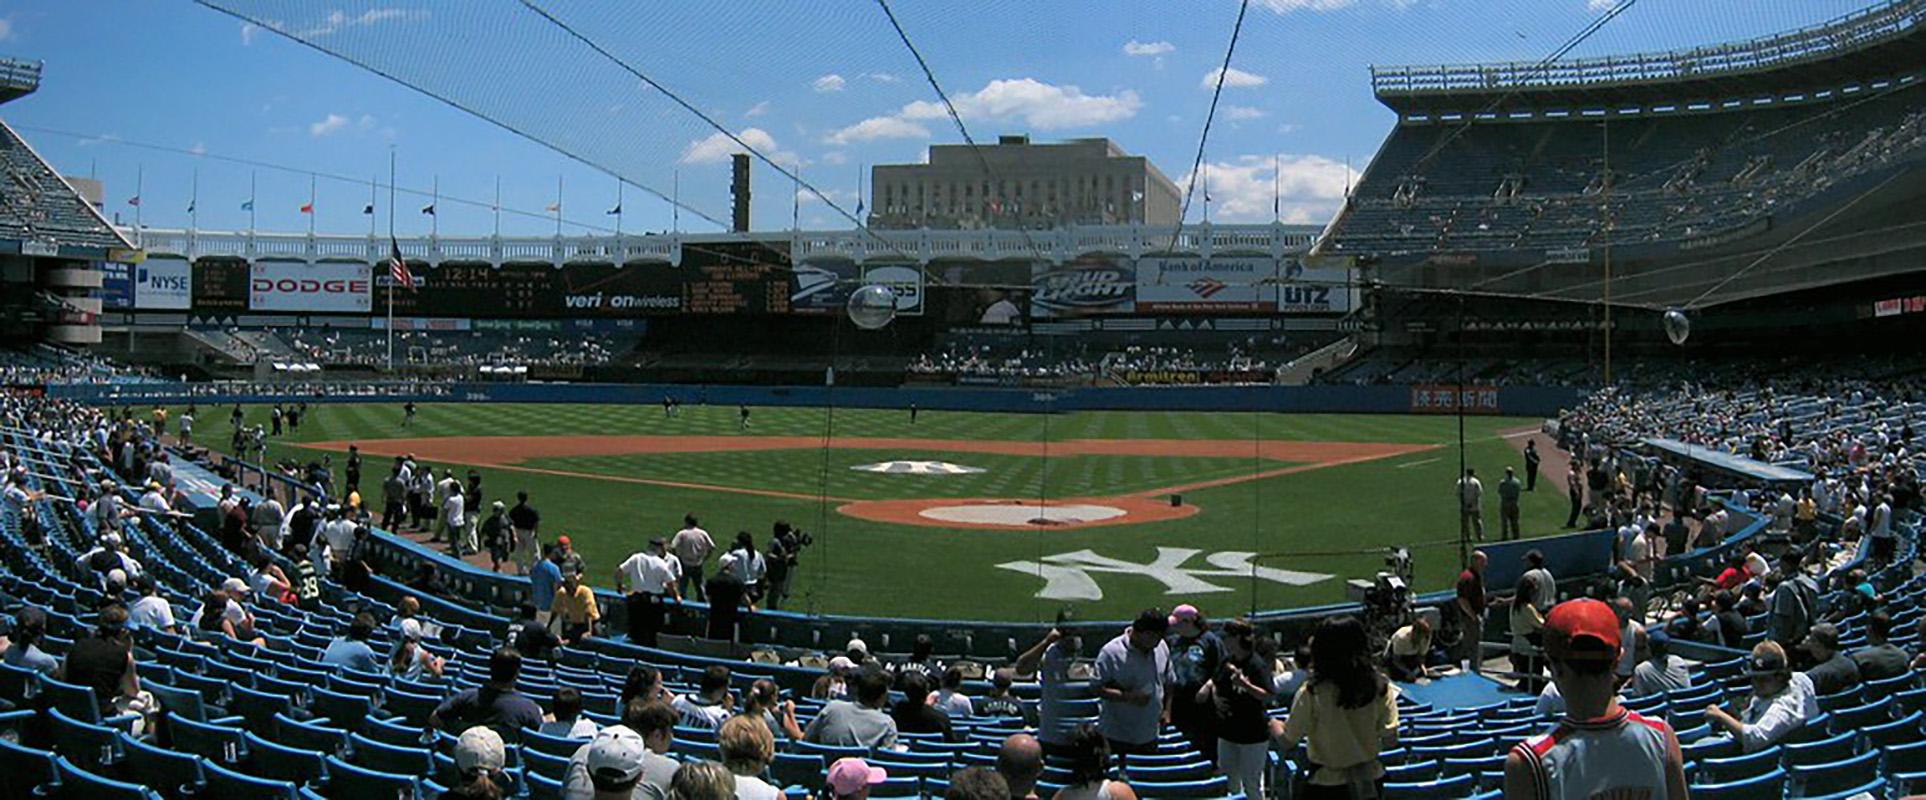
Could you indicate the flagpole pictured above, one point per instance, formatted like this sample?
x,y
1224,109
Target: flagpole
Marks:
x,y
498,206
795,201
558,206
434,211
194,202
140,176
675,200
372,184
251,175
618,208
311,214
1276,214
391,280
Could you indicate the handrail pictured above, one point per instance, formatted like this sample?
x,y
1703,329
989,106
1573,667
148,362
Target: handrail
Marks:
x,y
1844,34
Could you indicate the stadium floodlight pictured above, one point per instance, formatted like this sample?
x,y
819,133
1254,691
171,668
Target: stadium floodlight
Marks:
x,y
872,307
1678,326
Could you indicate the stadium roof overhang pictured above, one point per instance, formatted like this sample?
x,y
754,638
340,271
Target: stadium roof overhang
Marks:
x,y
1458,97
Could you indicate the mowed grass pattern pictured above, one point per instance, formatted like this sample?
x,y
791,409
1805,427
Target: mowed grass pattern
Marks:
x,y
863,567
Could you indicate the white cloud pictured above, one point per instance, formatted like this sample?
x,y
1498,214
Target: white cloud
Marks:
x,y
757,110
248,29
6,29
1242,113
1287,128
1309,188
716,148
835,157
1600,6
331,124
883,77
1032,102
842,197
199,149
1288,6
335,21
1159,48
367,122
878,128
829,83
1234,78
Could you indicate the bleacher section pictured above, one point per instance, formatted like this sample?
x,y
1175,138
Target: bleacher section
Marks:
x,y
37,205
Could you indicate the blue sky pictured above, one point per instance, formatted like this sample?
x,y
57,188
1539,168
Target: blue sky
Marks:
x,y
824,84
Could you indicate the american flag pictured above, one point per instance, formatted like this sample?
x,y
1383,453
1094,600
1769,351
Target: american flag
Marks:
x,y
398,267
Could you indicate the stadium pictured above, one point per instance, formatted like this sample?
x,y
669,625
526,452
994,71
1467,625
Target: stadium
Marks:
x,y
1565,451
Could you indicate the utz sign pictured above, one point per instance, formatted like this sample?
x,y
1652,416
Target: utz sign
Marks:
x,y
1084,287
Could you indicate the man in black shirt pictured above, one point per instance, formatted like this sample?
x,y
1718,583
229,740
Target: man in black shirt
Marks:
x,y
1832,671
530,637
353,469
1238,694
726,595
526,520
495,704
1531,465
105,663
1880,659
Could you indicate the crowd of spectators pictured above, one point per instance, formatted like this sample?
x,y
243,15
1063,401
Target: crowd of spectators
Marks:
x,y
46,364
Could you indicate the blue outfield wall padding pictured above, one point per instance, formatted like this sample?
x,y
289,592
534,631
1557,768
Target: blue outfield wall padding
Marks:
x,y
1514,401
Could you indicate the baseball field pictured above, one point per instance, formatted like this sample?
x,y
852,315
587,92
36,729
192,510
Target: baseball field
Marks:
x,y
973,515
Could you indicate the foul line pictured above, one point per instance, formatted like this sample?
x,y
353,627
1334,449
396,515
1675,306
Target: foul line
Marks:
x,y
1271,473
1410,464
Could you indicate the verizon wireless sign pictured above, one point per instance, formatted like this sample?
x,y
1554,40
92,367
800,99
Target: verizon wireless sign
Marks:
x,y
298,286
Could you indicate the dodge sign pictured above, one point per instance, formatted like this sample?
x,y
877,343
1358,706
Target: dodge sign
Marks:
x,y
298,286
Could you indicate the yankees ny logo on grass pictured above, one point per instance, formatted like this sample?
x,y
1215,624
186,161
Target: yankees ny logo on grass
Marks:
x,y
1070,576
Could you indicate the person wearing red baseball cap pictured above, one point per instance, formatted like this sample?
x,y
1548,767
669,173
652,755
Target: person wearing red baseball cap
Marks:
x,y
1599,748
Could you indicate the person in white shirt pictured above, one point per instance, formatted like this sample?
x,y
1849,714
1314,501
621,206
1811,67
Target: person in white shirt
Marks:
x,y
566,719
692,546
648,577
711,704
1471,501
454,517
338,532
749,566
155,499
950,696
1879,527
151,611
1781,702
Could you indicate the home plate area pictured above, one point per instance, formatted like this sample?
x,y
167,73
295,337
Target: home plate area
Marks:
x,y
1023,513
917,468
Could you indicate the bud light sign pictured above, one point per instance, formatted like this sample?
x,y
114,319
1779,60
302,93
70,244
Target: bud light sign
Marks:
x,y
1085,286
298,286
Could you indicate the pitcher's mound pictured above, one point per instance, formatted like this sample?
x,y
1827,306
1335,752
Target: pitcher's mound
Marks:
x,y
1022,514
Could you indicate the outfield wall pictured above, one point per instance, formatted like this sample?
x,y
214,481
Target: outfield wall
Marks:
x,y
1527,401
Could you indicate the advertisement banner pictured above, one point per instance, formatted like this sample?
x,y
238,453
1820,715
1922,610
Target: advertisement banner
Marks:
x,y
1192,377
300,286
821,287
163,284
906,280
1320,285
1088,285
600,290
1209,285
116,285
1443,400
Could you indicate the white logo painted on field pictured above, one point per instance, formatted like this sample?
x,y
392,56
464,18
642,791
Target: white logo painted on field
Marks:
x,y
1069,576
917,468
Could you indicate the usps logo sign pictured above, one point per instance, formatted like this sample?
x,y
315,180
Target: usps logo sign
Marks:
x,y
300,286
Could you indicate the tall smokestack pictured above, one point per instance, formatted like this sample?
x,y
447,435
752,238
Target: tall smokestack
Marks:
x,y
739,189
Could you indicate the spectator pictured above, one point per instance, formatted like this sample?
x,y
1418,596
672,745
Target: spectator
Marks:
x,y
1658,671
1832,672
1781,702
949,697
1050,660
1631,630
1471,500
1408,649
575,610
692,546
1508,494
1599,749
858,723
1728,627
1132,671
1752,600
1020,762
1347,712
712,704
497,536
644,682
1000,703
543,581
1880,659
747,748
1793,602
104,662
850,779
527,522
834,683
1089,757
1545,587
1238,696
1299,672
351,649
1196,651
645,772
1527,659
922,660
480,757
648,577
530,636
750,566
494,704
977,783
727,596
702,780
1469,606
567,559
410,661
565,716
151,611
915,714
764,702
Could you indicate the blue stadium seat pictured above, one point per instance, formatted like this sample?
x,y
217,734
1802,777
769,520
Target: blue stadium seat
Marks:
x,y
340,710
280,762
90,747
798,769
1714,747
409,706
174,775
25,768
552,745
1814,730
1899,731
183,702
1876,788
395,732
1823,751
349,782
1417,770
1454,786
260,708
77,702
18,685
1738,768
541,787
539,763
221,744
1212,787
1847,720
380,757
227,784
307,735
1835,776
79,784
1771,784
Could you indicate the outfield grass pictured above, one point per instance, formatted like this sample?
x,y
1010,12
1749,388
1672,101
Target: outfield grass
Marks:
x,y
858,566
